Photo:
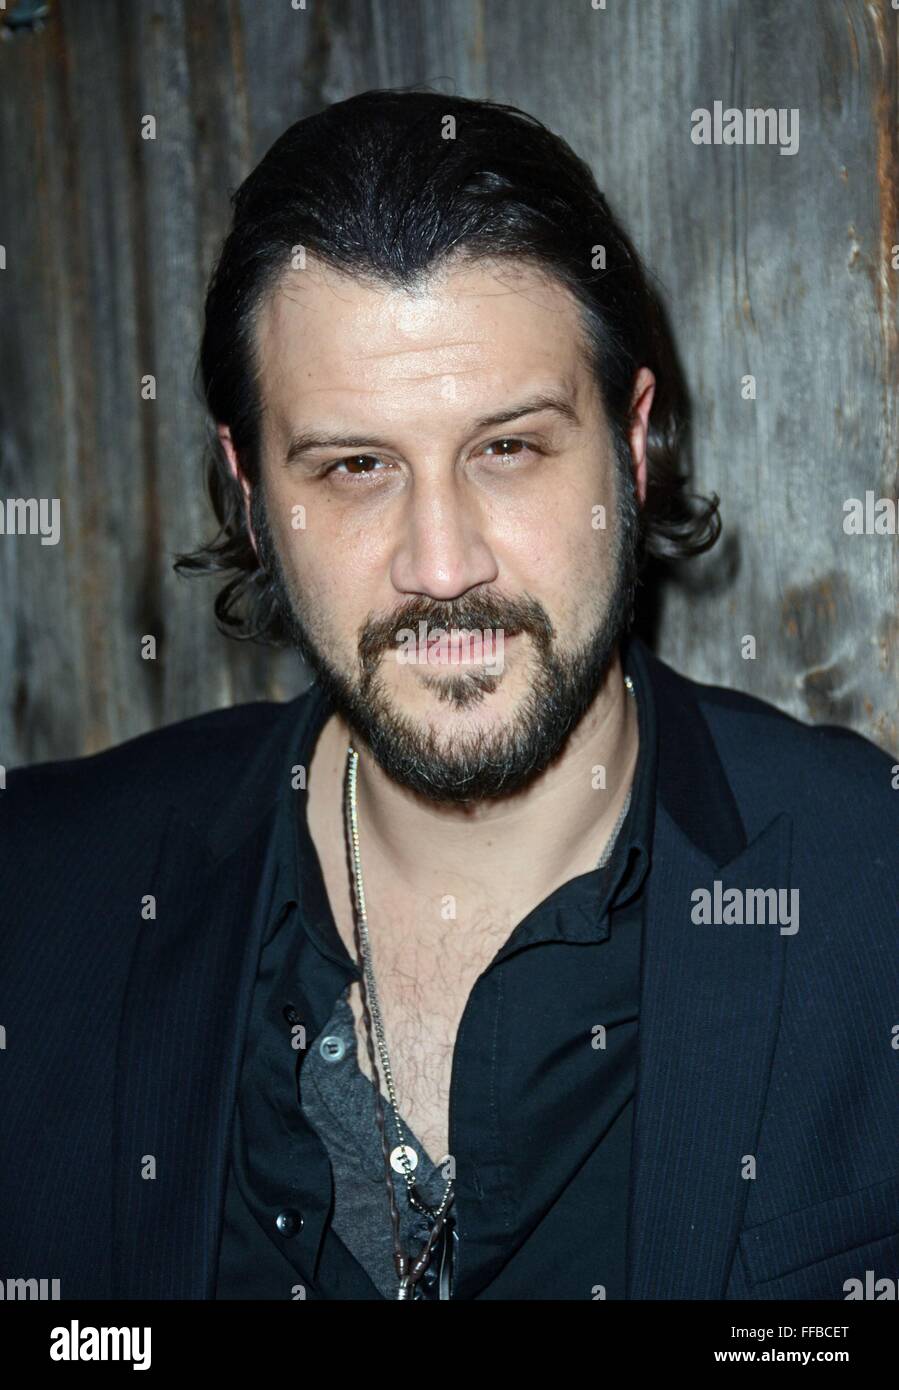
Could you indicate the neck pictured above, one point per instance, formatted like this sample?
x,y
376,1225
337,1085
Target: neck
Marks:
x,y
507,853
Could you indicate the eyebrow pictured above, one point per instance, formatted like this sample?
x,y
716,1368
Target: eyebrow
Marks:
x,y
304,441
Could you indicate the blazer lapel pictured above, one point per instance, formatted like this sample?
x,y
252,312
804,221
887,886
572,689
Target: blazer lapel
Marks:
x,y
185,1017
180,1044
710,1008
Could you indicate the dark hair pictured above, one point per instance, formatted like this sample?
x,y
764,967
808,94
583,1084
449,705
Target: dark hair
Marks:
x,y
374,188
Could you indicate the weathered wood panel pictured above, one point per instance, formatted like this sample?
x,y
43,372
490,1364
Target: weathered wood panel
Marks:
x,y
771,266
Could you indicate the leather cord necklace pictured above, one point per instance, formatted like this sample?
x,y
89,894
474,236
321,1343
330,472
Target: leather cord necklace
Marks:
x,y
409,1271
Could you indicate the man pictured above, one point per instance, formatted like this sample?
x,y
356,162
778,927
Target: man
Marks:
x,y
478,971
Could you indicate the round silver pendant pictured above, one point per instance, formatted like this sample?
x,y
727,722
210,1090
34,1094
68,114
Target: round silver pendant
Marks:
x,y
396,1159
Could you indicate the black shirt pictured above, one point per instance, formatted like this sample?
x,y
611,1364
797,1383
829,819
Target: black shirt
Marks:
x,y
541,1100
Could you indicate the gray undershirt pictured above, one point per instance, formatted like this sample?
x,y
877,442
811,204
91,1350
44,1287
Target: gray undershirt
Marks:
x,y
338,1100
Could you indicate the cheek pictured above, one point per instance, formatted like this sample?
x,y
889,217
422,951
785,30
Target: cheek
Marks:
x,y
336,582
570,562
553,541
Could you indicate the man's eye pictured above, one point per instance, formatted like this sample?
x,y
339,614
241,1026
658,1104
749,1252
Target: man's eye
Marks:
x,y
351,463
519,446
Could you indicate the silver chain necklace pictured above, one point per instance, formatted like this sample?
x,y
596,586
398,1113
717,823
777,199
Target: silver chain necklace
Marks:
x,y
403,1150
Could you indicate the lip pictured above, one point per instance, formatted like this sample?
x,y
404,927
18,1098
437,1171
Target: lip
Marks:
x,y
461,651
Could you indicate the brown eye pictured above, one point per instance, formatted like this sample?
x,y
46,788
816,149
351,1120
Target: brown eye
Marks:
x,y
506,452
513,449
351,462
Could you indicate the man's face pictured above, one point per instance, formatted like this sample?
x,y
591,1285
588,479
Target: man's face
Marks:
x,y
426,522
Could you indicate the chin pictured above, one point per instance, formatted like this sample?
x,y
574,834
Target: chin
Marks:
x,y
458,699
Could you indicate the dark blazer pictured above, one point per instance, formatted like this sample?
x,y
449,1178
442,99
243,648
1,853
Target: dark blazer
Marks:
x,y
124,1036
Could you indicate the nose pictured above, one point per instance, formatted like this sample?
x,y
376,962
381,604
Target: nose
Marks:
x,y
441,548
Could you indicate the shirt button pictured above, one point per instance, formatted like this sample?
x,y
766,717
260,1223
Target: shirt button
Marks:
x,y
332,1048
288,1222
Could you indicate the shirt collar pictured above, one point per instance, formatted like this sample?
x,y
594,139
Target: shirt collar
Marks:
x,y
298,872
579,910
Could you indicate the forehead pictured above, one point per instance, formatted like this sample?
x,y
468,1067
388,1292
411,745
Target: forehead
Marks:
x,y
329,342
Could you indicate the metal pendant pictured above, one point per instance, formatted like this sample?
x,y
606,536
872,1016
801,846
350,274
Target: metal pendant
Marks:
x,y
403,1159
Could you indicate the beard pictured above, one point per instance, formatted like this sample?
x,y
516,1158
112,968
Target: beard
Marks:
x,y
475,765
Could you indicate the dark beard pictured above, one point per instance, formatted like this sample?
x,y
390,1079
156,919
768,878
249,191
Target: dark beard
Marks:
x,y
483,765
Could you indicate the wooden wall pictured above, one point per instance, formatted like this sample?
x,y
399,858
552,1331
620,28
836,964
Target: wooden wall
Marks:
x,y
774,266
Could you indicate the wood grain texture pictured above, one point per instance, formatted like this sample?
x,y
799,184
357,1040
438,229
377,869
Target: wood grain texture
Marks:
x,y
770,265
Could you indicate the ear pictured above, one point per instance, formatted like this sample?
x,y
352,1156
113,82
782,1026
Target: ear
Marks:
x,y
641,404
224,434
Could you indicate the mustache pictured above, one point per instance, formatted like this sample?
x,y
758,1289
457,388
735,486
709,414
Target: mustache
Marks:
x,y
478,613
